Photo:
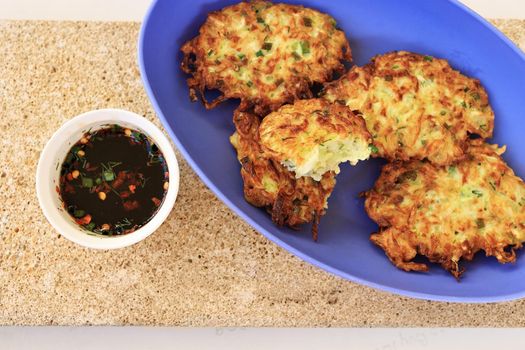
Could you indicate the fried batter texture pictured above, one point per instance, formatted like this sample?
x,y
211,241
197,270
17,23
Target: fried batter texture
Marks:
x,y
415,106
449,213
312,137
265,54
268,184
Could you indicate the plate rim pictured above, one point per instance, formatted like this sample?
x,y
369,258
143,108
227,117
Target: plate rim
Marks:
x,y
273,238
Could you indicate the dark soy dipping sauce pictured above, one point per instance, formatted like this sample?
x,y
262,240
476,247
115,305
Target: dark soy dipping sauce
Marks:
x,y
113,180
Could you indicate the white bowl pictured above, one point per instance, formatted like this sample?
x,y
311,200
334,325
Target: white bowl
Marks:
x,y
48,173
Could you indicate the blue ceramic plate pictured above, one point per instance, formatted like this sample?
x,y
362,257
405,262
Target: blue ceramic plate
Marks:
x,y
436,27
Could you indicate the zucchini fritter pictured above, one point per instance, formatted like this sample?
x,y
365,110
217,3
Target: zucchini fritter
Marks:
x,y
269,185
415,106
264,54
449,213
311,137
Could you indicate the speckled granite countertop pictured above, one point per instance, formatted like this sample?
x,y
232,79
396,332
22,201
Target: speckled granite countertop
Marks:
x,y
204,266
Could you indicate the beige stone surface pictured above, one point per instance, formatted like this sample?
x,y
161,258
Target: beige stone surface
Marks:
x,y
204,266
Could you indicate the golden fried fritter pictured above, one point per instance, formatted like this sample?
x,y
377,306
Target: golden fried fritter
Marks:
x,y
269,185
264,54
311,137
415,106
449,213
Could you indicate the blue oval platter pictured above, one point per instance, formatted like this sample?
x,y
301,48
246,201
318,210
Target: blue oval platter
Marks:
x,y
441,28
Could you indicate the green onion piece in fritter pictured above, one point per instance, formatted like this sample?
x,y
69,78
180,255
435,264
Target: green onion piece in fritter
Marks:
x,y
477,193
305,47
480,223
307,21
267,46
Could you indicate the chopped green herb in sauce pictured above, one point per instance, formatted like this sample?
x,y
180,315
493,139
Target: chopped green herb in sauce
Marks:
x,y
103,181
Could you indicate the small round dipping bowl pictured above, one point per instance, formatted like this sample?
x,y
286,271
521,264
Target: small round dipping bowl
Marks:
x,y
48,174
